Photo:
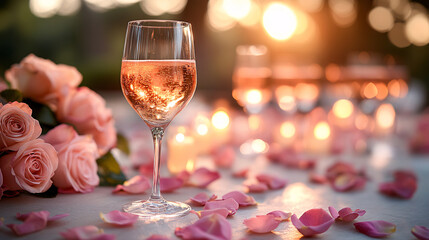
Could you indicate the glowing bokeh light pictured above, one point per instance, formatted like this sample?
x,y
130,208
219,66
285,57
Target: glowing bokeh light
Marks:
x,y
101,5
217,18
343,108
398,88
253,96
361,122
252,17
311,5
220,119
279,21
397,36
180,137
69,7
45,8
381,19
332,72
417,29
382,91
369,90
385,116
127,2
322,130
237,9
259,146
306,91
343,12
287,129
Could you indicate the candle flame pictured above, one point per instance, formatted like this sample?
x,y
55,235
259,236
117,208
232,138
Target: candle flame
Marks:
x,y
385,116
254,96
180,137
322,130
220,119
279,21
343,108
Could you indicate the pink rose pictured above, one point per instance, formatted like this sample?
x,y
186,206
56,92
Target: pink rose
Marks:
x,y
41,79
1,184
17,126
77,155
87,112
31,168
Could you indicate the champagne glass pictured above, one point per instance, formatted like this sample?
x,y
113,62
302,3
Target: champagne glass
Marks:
x,y
158,79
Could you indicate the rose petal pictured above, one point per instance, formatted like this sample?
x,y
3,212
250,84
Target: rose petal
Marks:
x,y
229,204
146,169
339,168
221,211
137,184
346,214
271,181
262,223
213,226
420,232
86,232
241,198
334,213
347,182
34,221
312,222
202,177
257,187
280,215
404,185
202,198
170,184
224,156
119,218
158,237
241,173
377,229
316,178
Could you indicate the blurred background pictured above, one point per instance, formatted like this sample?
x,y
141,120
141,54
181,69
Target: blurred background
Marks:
x,y
327,35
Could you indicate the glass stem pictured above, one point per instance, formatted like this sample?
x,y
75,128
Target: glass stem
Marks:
x,y
157,133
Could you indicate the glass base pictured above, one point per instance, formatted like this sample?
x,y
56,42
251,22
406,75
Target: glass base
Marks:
x,y
154,210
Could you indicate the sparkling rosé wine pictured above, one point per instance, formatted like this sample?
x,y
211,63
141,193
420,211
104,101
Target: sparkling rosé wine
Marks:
x,y
158,89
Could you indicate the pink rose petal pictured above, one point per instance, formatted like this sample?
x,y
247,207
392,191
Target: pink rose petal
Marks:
x,y
158,237
241,173
221,211
202,198
241,198
346,214
257,187
316,178
22,217
280,215
170,184
34,221
339,168
213,226
229,204
262,223
404,185
85,233
136,185
202,177
224,156
271,181
376,229
312,222
348,182
119,218
420,232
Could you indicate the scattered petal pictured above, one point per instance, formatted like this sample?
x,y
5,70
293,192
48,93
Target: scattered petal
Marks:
x,y
376,229
34,221
202,198
420,232
348,182
184,175
404,185
312,222
316,178
229,204
170,184
23,217
158,237
241,173
202,177
271,181
221,211
346,214
339,168
224,156
334,213
86,232
146,169
257,187
241,198
213,226
136,185
280,215
119,218
262,223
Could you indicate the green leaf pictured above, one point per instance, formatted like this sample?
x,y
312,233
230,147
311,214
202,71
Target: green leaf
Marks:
x,y
51,193
43,114
11,95
122,144
109,171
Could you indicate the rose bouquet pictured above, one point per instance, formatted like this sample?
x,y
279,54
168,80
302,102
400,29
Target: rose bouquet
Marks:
x,y
53,134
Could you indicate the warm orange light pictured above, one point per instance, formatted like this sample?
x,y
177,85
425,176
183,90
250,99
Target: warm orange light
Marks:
x,y
398,88
369,91
202,124
279,21
285,98
322,130
259,146
385,116
180,137
254,96
237,9
361,122
382,91
254,122
343,108
333,72
220,119
306,91
287,129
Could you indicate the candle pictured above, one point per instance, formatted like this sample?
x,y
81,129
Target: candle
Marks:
x,y
181,152
202,134
220,121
